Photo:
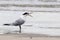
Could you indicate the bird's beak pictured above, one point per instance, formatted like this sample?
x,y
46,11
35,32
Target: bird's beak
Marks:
x,y
30,15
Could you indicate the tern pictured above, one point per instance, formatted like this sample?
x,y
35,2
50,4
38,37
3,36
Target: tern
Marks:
x,y
19,21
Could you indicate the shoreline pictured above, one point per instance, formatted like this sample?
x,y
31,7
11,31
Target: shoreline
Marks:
x,y
24,36
28,35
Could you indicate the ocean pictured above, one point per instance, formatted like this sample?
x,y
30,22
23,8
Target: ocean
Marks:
x,y
40,23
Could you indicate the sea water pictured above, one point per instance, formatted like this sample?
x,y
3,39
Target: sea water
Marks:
x,y
40,23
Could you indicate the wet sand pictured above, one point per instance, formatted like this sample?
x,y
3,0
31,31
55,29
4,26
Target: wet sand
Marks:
x,y
27,37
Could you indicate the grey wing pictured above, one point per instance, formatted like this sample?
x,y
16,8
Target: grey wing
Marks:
x,y
18,22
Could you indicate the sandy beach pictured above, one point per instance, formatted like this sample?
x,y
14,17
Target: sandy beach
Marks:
x,y
26,37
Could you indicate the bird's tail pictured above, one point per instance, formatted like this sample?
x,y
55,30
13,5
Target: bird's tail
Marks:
x,y
7,24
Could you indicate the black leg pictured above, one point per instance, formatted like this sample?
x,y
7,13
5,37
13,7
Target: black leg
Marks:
x,y
20,28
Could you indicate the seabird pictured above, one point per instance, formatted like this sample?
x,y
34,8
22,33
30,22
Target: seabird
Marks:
x,y
20,21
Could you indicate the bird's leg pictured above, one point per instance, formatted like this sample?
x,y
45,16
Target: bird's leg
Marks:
x,y
20,28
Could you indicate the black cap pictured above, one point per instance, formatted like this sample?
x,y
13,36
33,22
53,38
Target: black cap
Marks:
x,y
25,13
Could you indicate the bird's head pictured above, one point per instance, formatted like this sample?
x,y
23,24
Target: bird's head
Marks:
x,y
27,14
